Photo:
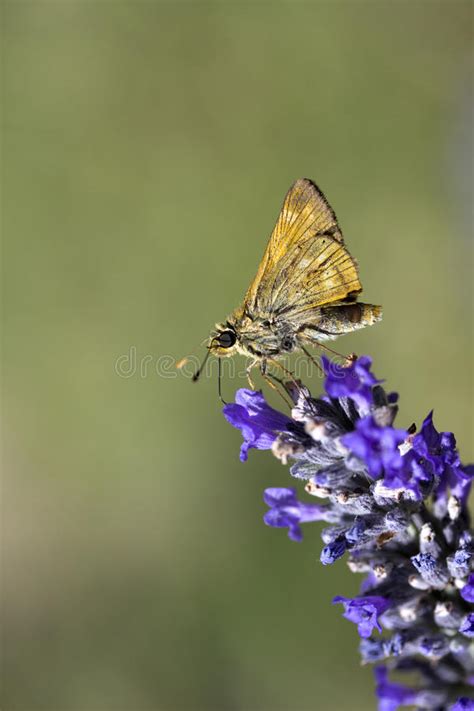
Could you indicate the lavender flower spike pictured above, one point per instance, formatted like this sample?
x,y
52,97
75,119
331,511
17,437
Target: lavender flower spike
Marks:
x,y
396,505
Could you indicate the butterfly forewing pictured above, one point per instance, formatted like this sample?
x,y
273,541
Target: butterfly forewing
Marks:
x,y
306,264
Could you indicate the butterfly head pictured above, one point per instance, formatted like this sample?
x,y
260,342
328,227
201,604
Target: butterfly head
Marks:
x,y
223,340
221,343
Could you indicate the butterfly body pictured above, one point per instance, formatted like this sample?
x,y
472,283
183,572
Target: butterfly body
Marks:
x,y
258,336
305,290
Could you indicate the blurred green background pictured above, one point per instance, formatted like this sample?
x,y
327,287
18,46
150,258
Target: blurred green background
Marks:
x,y
147,150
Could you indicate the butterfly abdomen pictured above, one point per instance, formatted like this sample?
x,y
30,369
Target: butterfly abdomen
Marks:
x,y
333,321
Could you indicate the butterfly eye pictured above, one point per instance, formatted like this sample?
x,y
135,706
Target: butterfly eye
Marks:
x,y
226,339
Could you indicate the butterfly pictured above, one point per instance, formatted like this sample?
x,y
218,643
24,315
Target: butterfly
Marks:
x,y
305,291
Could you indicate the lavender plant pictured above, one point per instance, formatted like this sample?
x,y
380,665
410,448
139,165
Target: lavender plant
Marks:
x,y
396,505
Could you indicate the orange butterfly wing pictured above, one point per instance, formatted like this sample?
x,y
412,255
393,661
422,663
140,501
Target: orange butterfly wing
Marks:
x,y
305,264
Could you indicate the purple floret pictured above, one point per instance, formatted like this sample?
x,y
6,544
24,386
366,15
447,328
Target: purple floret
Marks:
x,y
364,612
376,446
463,704
259,423
354,381
467,592
287,512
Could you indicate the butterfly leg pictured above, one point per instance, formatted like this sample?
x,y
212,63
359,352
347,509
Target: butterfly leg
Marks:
x,y
287,372
313,360
271,380
348,359
295,382
248,370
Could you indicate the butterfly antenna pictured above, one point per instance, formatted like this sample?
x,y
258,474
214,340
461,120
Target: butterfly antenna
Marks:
x,y
198,372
